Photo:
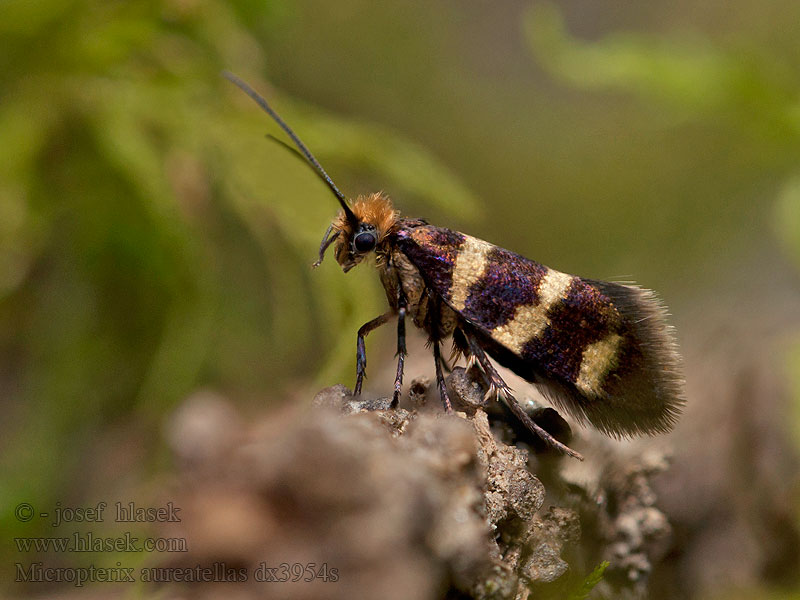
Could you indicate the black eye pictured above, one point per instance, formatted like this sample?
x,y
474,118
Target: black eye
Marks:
x,y
364,241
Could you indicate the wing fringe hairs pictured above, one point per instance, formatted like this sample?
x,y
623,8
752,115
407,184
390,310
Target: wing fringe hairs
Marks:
x,y
654,378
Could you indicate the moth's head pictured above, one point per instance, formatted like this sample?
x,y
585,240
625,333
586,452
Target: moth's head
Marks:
x,y
361,230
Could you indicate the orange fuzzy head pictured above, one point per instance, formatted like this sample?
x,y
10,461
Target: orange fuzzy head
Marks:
x,y
356,238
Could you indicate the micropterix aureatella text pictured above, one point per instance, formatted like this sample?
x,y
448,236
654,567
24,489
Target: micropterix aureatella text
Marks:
x,y
601,351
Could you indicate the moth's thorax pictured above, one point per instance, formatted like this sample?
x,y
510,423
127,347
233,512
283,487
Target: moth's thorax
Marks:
x,y
398,274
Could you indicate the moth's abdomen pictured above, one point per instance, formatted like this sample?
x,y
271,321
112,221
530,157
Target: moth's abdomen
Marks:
x,y
603,351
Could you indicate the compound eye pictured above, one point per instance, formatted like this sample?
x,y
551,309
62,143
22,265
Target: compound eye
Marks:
x,y
364,241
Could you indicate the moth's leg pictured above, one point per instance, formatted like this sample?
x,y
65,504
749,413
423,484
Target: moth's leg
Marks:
x,y
461,350
361,349
433,326
327,240
437,358
497,386
500,388
401,348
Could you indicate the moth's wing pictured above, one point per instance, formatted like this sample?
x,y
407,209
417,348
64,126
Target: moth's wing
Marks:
x,y
602,351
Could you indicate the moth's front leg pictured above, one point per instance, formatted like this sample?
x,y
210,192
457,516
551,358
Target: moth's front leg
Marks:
x,y
401,348
361,349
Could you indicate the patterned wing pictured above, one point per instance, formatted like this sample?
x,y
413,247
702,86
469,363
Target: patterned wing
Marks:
x,y
603,350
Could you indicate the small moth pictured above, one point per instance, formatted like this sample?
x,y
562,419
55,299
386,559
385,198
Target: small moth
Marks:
x,y
601,351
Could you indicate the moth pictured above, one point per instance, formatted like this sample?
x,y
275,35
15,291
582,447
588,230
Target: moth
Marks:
x,y
601,351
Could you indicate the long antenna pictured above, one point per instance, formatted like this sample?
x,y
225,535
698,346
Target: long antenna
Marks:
x,y
298,142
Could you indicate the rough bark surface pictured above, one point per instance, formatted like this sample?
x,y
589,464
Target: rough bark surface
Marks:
x,y
403,503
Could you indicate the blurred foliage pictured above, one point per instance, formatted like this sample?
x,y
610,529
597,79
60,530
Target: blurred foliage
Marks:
x,y
151,240
787,217
589,583
787,224
755,94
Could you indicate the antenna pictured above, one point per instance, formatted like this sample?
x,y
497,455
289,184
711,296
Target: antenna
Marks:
x,y
297,141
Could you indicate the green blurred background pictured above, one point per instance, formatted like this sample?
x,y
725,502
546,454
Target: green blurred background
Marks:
x,y
153,242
